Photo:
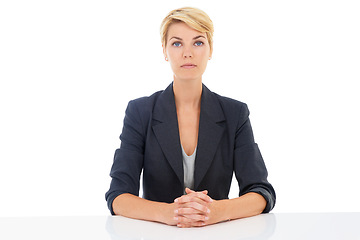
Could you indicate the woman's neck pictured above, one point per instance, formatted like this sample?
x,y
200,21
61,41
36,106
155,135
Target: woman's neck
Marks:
x,y
187,93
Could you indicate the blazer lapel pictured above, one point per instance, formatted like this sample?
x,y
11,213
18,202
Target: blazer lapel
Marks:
x,y
166,130
210,133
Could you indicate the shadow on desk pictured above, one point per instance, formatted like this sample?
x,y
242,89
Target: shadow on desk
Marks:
x,y
258,227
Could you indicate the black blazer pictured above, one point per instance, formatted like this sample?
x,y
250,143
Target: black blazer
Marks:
x,y
150,143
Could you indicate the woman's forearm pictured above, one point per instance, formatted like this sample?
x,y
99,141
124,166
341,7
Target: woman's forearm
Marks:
x,y
132,206
248,205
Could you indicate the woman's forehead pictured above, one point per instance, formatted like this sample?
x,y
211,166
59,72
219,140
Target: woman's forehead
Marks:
x,y
183,31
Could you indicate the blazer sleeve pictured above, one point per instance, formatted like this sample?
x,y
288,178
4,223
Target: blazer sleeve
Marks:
x,y
128,159
250,169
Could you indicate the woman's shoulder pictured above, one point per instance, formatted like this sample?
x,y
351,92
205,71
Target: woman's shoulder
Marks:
x,y
231,105
140,109
236,112
146,100
147,104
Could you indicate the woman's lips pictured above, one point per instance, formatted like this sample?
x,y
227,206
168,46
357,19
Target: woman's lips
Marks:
x,y
188,65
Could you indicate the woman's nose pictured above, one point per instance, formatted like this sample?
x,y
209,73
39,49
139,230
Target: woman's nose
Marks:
x,y
187,53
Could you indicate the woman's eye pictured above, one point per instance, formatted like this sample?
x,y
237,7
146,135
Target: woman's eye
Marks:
x,y
176,44
199,43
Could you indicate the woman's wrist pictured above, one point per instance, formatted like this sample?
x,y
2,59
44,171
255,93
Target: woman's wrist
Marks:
x,y
218,211
165,213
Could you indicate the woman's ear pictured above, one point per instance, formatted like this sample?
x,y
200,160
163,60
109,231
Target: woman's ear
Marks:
x,y
164,52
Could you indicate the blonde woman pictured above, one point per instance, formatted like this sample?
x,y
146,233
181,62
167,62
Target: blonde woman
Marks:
x,y
188,141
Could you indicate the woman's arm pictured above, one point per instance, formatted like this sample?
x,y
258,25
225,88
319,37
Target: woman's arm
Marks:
x,y
132,206
250,204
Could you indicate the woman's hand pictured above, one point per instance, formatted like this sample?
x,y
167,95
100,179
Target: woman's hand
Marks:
x,y
193,209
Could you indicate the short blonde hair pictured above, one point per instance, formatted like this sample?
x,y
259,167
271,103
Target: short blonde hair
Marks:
x,y
193,17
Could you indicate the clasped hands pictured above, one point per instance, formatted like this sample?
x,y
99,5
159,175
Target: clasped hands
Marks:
x,y
194,209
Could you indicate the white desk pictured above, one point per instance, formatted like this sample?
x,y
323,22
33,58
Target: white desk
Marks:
x,y
267,226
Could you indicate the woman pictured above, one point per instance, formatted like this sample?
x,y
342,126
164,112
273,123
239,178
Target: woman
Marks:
x,y
188,141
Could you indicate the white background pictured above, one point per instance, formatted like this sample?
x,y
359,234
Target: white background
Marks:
x,y
68,69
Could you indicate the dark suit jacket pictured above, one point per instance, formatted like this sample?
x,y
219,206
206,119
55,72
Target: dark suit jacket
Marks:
x,y
150,143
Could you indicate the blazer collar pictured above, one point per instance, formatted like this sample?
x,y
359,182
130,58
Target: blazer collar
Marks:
x,y
166,130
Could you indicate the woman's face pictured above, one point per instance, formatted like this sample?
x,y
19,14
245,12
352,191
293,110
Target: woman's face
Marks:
x,y
187,50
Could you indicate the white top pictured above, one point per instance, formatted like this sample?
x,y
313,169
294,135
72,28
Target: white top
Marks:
x,y
189,168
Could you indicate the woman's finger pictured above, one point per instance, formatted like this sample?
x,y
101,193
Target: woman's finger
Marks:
x,y
194,203
188,191
187,211
185,222
195,217
198,207
196,196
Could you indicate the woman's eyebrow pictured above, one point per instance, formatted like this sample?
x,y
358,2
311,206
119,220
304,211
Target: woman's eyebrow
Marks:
x,y
198,37
175,38
193,38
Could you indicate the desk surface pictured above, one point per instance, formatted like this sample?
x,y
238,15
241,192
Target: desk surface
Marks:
x,y
265,226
